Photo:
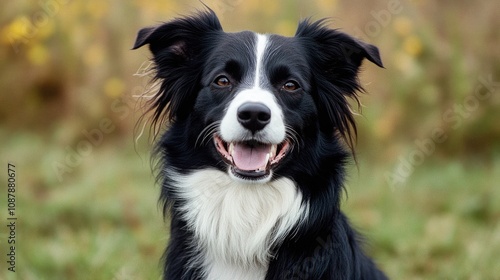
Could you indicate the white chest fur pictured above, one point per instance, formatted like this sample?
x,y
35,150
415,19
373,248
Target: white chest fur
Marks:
x,y
236,223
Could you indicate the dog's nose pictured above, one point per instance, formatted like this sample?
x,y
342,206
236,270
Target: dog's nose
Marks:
x,y
254,116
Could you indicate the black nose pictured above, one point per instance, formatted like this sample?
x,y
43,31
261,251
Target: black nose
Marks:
x,y
254,116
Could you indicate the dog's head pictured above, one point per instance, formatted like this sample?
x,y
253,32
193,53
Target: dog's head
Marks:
x,y
261,100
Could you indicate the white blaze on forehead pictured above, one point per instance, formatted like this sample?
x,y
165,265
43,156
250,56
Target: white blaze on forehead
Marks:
x,y
259,57
230,128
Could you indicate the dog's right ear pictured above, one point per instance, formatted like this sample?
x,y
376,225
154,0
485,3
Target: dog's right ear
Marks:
x,y
177,47
180,35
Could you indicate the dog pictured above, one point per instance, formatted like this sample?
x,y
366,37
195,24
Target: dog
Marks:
x,y
256,131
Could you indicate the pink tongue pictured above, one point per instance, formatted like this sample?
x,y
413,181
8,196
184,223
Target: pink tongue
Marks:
x,y
250,158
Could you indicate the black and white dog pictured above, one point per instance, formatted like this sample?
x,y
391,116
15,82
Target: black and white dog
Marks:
x,y
252,161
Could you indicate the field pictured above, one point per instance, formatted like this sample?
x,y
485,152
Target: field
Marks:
x,y
425,190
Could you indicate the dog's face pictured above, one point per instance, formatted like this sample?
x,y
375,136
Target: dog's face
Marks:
x,y
260,88
256,102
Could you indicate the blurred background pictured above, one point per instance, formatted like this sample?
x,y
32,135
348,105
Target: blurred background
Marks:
x,y
425,190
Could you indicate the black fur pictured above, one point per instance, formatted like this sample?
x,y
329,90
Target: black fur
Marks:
x,y
187,53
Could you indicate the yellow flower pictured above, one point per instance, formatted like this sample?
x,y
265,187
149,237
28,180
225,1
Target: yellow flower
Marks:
x,y
46,30
38,54
403,26
114,87
22,32
19,30
412,45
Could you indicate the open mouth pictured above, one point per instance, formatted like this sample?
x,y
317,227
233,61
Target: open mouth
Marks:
x,y
251,159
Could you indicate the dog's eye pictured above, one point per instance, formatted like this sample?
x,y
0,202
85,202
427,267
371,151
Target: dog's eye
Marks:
x,y
222,81
290,86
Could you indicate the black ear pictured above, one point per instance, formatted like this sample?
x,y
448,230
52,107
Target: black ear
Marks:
x,y
174,35
364,50
178,47
330,41
143,37
335,58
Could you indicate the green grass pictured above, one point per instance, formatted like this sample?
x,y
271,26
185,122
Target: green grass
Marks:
x,y
442,224
100,222
103,222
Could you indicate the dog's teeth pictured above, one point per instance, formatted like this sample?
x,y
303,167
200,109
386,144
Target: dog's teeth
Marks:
x,y
272,151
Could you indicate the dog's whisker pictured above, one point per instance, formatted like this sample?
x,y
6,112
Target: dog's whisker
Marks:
x,y
206,133
201,135
292,134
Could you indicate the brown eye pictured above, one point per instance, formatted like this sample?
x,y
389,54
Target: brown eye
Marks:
x,y
222,81
290,86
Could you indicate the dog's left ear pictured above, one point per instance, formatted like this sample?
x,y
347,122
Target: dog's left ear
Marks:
x,y
358,50
335,58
